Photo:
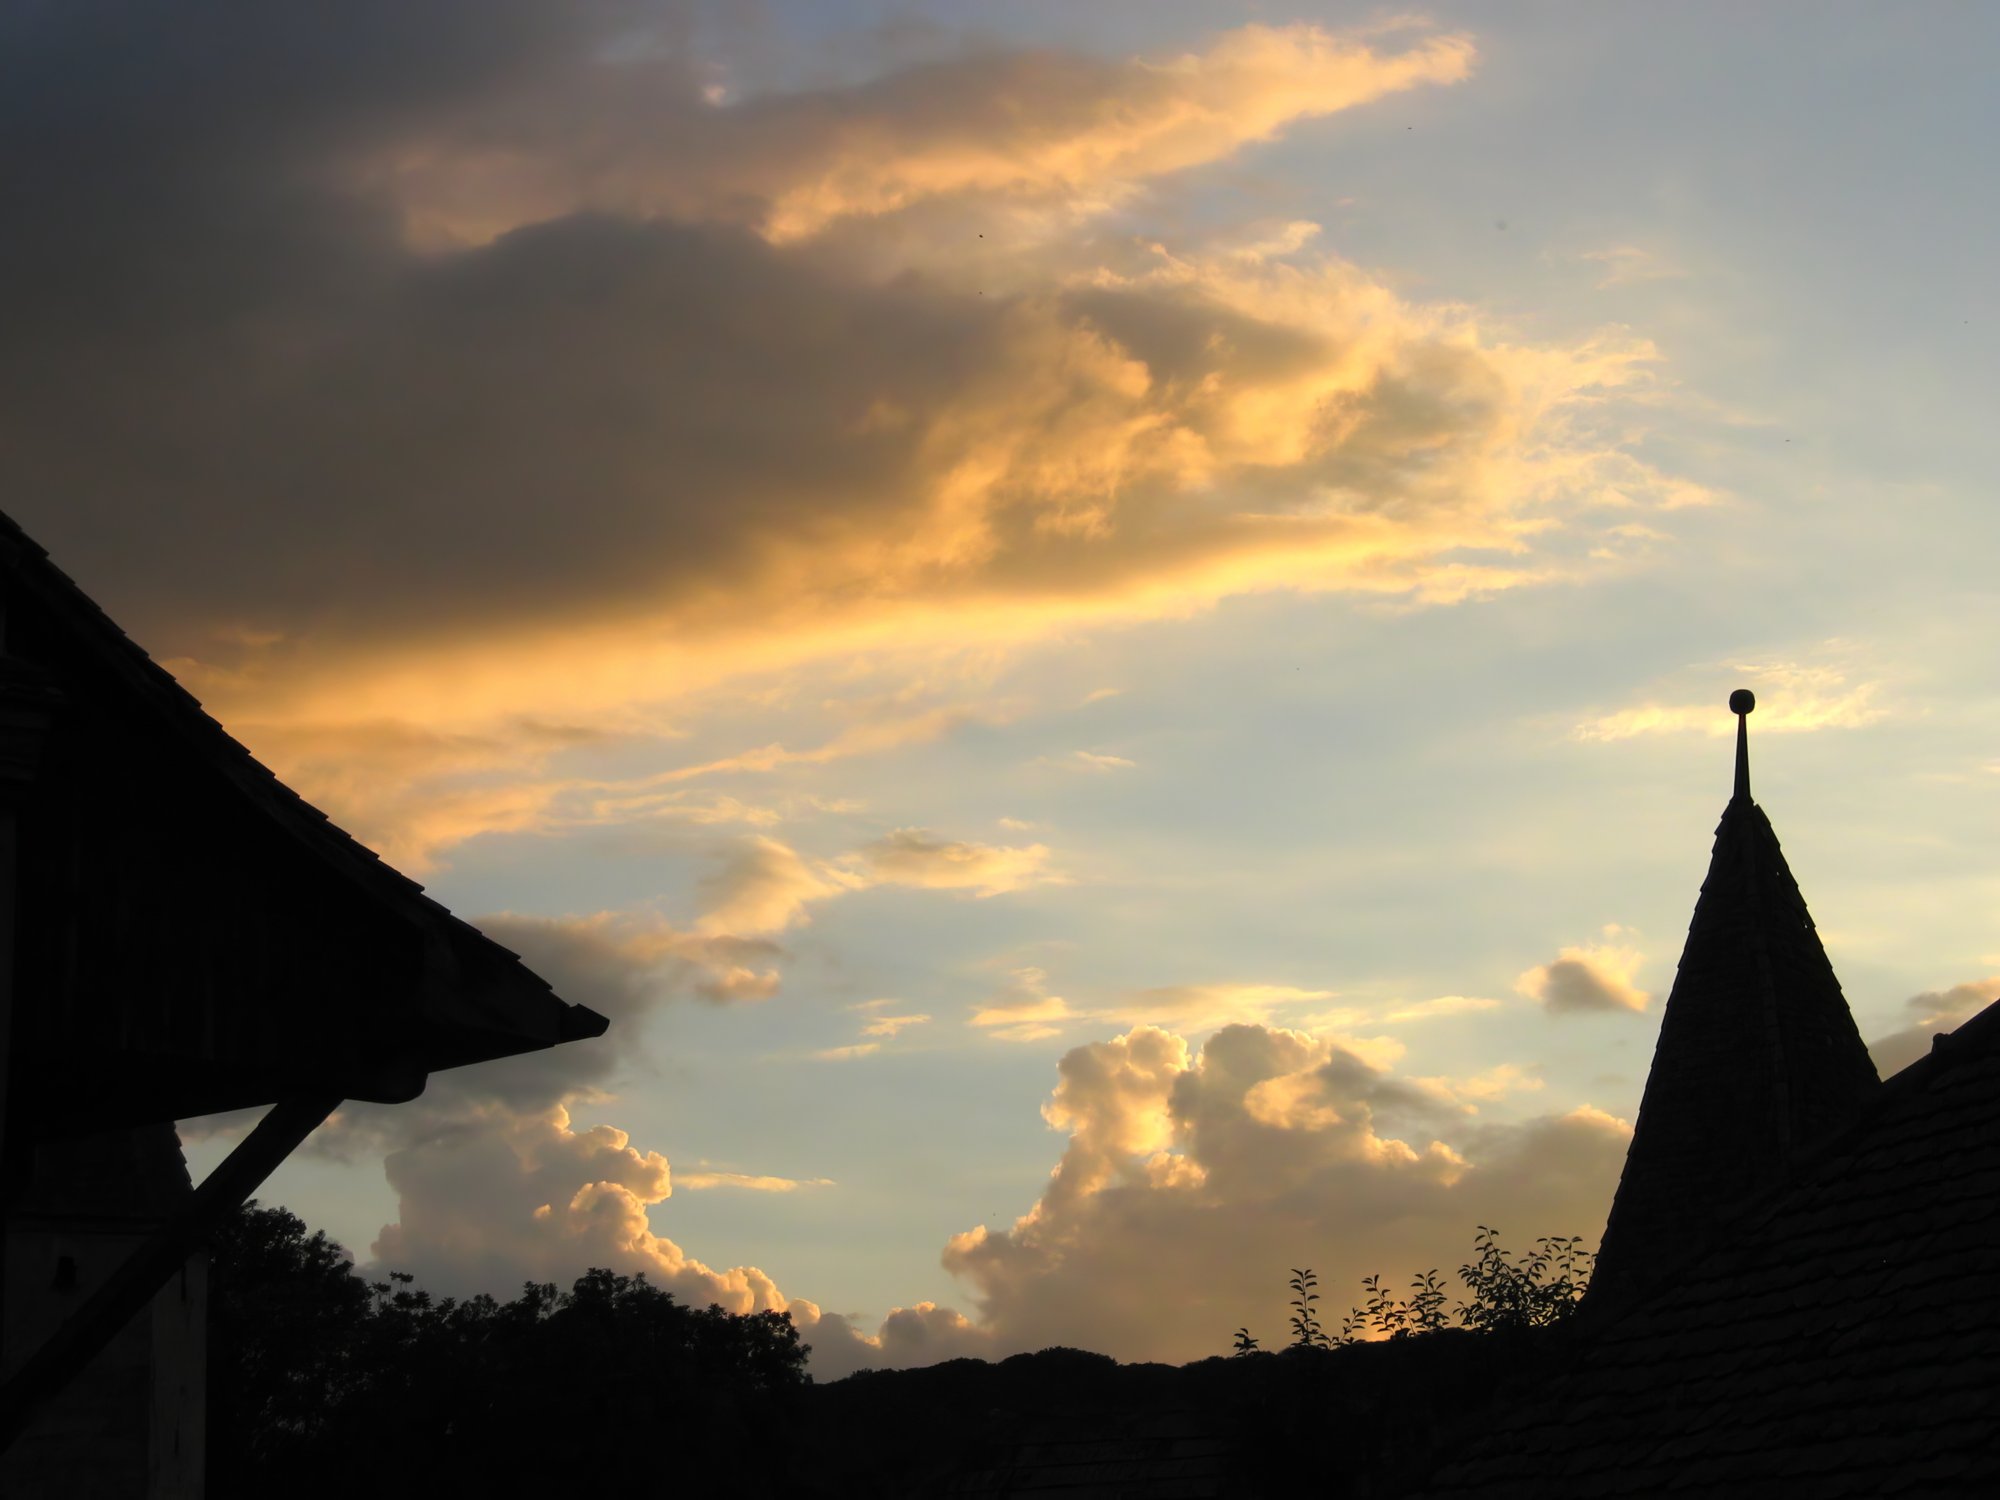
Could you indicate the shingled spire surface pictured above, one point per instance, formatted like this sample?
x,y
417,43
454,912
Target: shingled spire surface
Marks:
x,y
1758,1056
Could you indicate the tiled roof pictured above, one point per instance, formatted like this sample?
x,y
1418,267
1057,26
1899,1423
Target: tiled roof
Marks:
x,y
1758,1056
129,743
1159,1455
1842,1339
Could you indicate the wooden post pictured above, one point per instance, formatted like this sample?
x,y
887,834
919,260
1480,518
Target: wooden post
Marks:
x,y
135,1283
27,704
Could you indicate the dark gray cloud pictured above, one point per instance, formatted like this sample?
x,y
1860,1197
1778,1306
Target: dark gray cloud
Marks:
x,y
241,390
1930,1013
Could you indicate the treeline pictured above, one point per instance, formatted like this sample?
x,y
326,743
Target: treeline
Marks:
x,y
323,1383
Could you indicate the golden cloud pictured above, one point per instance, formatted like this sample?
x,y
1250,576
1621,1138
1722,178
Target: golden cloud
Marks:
x,y
1054,134
1193,1180
1598,978
747,1182
914,857
1792,698
880,1025
849,1052
1189,1182
1144,445
1203,1007
1443,1005
889,1026
638,424
1024,1011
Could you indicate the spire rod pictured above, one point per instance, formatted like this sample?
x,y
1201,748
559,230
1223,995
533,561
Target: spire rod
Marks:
x,y
1741,702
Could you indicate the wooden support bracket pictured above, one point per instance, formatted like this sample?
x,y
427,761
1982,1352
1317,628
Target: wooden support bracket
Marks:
x,y
138,1280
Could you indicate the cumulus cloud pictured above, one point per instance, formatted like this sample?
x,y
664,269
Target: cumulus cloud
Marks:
x,y
490,387
496,1182
1580,980
1930,1013
492,1192
1192,1181
500,1196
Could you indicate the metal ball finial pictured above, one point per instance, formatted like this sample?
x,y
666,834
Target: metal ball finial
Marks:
x,y
1742,701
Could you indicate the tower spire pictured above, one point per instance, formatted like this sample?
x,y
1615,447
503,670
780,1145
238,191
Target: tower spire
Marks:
x,y
1758,1055
1741,703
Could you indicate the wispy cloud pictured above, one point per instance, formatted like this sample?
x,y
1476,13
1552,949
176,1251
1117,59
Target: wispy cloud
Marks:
x,y
1625,265
880,1025
1443,1005
1091,760
916,857
1792,698
849,1052
1024,1010
697,1181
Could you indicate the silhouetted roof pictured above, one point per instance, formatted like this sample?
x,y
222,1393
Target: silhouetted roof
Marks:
x,y
1758,1057
194,936
1843,1339
1135,1454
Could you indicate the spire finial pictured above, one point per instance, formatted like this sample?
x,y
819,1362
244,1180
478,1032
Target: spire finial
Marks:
x,y
1741,702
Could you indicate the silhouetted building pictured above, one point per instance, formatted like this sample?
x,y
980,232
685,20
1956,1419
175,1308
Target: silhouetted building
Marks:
x,y
1798,1295
1800,1285
180,934
1757,1057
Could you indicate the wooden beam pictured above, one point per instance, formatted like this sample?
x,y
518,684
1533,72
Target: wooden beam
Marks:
x,y
138,1280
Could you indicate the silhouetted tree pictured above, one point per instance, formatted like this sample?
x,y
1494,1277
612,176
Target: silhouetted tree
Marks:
x,y
322,1384
285,1313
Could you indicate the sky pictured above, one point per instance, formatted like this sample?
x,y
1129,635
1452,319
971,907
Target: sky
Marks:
x,y
1103,631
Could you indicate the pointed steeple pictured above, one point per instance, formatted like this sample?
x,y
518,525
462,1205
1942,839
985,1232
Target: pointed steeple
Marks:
x,y
1758,1055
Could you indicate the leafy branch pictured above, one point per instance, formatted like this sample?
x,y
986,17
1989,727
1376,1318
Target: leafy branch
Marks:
x,y
1538,1290
1306,1332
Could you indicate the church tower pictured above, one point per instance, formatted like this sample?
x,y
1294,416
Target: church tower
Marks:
x,y
1757,1057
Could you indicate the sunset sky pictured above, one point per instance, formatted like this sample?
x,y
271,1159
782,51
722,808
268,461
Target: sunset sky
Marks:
x,y
1102,629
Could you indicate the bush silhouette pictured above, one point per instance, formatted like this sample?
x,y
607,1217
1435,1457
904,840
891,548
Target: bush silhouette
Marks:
x,y
1539,1290
322,1383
